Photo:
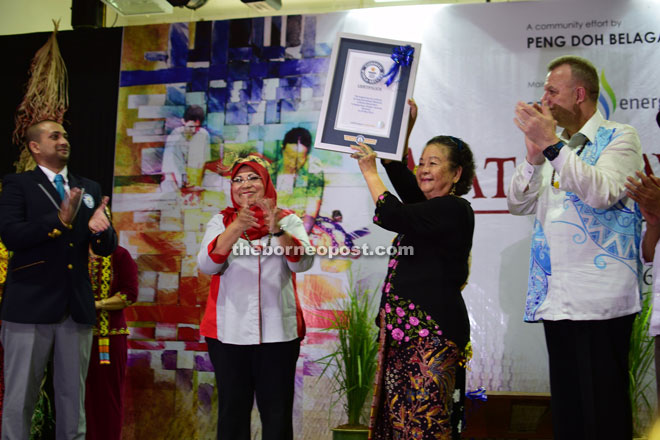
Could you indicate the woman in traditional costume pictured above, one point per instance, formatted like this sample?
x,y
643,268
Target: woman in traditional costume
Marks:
x,y
425,330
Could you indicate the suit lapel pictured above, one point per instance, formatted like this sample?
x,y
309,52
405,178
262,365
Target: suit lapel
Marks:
x,y
77,182
41,180
82,214
74,181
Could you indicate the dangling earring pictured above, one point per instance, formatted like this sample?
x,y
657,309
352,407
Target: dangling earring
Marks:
x,y
452,192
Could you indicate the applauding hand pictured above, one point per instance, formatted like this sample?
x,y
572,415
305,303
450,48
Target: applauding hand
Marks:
x,y
272,214
246,218
646,192
538,125
69,206
99,221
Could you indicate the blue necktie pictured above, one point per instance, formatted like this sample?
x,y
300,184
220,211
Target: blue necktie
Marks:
x,y
59,185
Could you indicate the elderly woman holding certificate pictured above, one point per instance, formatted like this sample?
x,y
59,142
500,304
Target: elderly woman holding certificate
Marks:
x,y
253,321
425,330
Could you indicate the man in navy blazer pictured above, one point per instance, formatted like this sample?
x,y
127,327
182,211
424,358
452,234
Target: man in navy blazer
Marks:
x,y
49,218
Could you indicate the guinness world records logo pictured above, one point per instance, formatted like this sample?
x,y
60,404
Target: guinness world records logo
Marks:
x,y
372,72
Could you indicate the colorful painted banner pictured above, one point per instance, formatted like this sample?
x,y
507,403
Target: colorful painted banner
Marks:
x,y
256,79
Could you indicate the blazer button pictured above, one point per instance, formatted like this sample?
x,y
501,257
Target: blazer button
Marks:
x,y
70,244
70,266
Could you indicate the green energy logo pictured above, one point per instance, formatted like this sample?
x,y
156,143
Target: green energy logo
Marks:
x,y
608,105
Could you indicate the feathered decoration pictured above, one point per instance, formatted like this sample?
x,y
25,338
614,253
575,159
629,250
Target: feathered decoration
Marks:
x,y
46,96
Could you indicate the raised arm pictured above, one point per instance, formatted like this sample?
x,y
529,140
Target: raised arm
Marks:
x,y
524,189
209,260
103,235
404,182
402,178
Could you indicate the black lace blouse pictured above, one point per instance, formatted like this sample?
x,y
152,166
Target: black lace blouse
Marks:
x,y
424,287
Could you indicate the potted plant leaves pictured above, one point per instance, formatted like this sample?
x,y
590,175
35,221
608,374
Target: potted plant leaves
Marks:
x,y
352,365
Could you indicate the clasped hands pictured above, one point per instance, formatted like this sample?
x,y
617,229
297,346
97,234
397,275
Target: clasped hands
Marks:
x,y
98,223
539,127
247,219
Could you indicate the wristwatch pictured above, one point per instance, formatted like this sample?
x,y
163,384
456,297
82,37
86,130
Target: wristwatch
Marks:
x,y
279,233
553,150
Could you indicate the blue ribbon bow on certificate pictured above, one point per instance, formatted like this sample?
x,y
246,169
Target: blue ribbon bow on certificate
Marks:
x,y
478,394
402,56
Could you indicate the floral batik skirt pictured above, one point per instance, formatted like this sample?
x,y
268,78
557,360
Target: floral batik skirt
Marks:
x,y
420,390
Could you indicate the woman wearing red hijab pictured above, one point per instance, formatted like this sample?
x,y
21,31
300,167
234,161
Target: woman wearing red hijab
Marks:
x,y
253,322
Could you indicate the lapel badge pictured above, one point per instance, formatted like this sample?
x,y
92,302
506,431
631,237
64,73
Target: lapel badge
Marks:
x,y
88,200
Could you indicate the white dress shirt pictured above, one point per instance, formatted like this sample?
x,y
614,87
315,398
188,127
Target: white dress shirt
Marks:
x,y
51,176
584,261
